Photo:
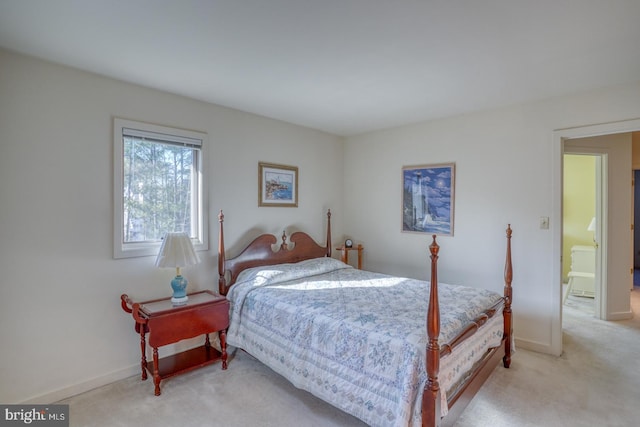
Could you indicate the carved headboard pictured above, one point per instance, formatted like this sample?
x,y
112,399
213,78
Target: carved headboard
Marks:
x,y
259,252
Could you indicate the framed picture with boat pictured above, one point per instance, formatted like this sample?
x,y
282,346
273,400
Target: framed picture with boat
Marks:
x,y
277,185
428,198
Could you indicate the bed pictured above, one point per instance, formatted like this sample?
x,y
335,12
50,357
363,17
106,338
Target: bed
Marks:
x,y
391,351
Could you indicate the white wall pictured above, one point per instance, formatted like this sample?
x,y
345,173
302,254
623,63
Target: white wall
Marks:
x,y
505,162
61,326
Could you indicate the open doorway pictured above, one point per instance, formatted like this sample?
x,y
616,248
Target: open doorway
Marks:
x,y
612,236
581,195
613,141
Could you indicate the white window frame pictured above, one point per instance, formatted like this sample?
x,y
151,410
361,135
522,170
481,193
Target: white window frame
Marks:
x,y
138,249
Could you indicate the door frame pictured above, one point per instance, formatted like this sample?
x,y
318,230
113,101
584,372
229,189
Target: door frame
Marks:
x,y
601,156
559,136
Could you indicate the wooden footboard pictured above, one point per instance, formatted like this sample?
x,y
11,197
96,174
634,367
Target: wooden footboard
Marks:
x,y
431,413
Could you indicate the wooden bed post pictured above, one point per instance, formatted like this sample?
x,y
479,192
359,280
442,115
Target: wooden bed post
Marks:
x,y
329,233
222,283
508,325
431,393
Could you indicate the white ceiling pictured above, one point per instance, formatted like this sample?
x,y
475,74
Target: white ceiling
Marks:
x,y
342,66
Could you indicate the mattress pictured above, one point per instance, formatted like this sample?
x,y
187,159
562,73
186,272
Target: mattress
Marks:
x,y
353,338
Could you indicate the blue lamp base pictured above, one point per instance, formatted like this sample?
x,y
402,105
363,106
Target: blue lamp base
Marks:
x,y
179,286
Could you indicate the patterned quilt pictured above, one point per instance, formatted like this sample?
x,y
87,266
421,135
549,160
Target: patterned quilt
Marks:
x,y
355,339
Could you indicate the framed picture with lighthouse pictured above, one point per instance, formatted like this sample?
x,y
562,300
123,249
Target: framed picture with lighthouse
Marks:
x,y
428,198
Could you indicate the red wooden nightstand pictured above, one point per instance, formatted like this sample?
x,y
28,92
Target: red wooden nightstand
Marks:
x,y
204,313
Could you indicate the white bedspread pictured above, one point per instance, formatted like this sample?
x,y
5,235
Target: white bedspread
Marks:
x,y
353,338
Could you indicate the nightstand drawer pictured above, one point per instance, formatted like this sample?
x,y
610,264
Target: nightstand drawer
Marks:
x,y
173,327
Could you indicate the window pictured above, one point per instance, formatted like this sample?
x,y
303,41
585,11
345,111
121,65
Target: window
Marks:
x,y
158,187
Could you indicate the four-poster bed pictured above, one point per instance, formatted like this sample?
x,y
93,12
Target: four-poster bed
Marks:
x,y
351,339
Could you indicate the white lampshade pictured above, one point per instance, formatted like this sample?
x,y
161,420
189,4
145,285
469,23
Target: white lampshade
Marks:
x,y
177,251
592,224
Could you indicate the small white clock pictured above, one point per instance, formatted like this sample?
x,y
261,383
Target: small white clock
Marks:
x,y
348,243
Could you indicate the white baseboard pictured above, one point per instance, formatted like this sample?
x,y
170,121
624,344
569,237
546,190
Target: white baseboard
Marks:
x,y
620,315
72,390
119,374
536,346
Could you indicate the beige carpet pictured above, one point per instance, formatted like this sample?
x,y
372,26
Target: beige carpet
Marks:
x,y
596,382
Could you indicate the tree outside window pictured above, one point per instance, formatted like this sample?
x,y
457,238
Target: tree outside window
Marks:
x,y
157,189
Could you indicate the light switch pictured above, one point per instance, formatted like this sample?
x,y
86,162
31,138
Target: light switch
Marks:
x,y
544,222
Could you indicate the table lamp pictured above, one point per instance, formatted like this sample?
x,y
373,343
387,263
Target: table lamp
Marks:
x,y
177,251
